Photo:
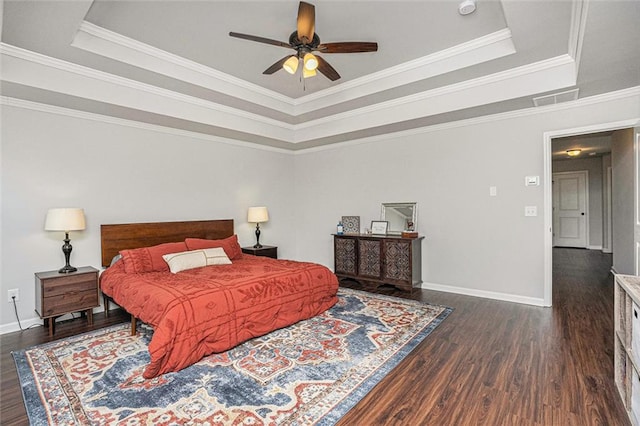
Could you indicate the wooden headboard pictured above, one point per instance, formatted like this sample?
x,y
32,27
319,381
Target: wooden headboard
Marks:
x,y
118,237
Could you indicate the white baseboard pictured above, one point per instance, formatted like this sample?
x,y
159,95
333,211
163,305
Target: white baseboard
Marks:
x,y
11,327
14,326
607,250
485,294
594,247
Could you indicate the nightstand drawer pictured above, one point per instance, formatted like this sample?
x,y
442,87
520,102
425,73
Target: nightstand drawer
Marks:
x,y
70,301
55,287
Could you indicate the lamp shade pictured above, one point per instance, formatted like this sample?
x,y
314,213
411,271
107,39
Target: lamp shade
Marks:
x,y
67,219
257,215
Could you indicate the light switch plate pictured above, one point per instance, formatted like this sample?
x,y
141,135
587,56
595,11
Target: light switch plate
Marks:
x,y
493,191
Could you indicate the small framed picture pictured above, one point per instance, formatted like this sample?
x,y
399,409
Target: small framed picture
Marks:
x,y
351,224
379,227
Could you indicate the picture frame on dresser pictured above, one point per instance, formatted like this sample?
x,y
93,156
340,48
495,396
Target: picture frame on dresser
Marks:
x,y
379,227
351,224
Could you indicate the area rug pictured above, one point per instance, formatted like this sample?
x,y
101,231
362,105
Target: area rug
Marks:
x,y
312,372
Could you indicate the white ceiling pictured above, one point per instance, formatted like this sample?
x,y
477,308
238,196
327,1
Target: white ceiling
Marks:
x,y
172,63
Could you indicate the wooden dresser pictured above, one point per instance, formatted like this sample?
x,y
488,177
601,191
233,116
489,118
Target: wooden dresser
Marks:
x,y
377,260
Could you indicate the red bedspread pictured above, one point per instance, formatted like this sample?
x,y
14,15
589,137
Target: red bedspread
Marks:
x,y
211,309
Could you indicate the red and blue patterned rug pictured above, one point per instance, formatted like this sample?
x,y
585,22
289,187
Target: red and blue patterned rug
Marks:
x,y
312,372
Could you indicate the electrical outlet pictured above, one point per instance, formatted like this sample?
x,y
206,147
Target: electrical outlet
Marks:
x,y
14,292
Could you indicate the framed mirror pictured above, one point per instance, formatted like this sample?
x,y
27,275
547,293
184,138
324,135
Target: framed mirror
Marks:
x,y
401,217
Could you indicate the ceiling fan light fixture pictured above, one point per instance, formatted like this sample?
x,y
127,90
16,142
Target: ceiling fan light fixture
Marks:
x,y
573,152
291,64
310,62
308,73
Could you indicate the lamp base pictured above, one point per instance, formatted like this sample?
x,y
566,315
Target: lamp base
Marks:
x,y
67,269
257,245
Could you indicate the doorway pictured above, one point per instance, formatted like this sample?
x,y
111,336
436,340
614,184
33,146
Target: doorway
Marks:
x,y
548,148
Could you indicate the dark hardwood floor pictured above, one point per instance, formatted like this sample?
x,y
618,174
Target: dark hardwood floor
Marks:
x,y
490,362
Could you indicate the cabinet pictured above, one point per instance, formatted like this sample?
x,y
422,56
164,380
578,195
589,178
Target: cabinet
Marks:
x,y
266,251
626,358
377,260
58,294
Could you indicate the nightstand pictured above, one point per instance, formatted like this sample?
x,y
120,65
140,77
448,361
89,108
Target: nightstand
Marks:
x,y
58,294
266,251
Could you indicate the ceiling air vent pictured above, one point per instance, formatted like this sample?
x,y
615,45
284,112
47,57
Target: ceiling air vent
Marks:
x,y
556,98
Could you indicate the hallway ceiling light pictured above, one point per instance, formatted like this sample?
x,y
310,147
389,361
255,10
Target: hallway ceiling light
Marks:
x,y
573,152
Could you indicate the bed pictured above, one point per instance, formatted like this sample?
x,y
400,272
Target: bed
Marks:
x,y
203,310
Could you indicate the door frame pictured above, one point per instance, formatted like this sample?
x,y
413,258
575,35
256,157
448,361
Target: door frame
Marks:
x,y
607,240
585,173
636,191
548,202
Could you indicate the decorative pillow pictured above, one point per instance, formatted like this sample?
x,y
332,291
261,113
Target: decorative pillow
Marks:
x,y
229,244
115,259
149,259
196,259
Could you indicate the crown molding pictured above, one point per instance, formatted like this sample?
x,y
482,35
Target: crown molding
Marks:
x,y
101,41
579,12
482,49
542,76
34,69
68,112
592,100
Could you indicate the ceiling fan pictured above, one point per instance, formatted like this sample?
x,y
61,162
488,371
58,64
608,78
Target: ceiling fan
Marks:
x,y
304,41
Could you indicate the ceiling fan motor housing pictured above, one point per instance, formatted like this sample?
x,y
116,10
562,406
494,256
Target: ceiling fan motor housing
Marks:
x,y
295,42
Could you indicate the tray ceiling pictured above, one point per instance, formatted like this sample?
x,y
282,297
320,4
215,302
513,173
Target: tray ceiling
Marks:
x,y
172,63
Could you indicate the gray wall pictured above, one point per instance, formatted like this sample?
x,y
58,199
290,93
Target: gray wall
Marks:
x,y
622,200
475,244
122,174
594,167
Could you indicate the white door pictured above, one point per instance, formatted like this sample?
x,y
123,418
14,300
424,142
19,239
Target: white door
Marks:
x,y
570,209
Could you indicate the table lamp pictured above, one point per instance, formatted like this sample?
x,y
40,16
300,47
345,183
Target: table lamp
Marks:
x,y
67,219
257,215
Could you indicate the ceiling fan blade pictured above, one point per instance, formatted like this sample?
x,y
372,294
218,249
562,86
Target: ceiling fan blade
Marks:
x,y
277,66
260,39
327,70
348,47
306,22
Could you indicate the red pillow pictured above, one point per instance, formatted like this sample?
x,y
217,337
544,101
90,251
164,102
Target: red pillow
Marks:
x,y
229,245
149,259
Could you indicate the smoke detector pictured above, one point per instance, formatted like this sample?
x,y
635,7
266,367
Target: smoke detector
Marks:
x,y
467,7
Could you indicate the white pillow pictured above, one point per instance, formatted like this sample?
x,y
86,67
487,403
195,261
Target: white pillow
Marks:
x,y
196,259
